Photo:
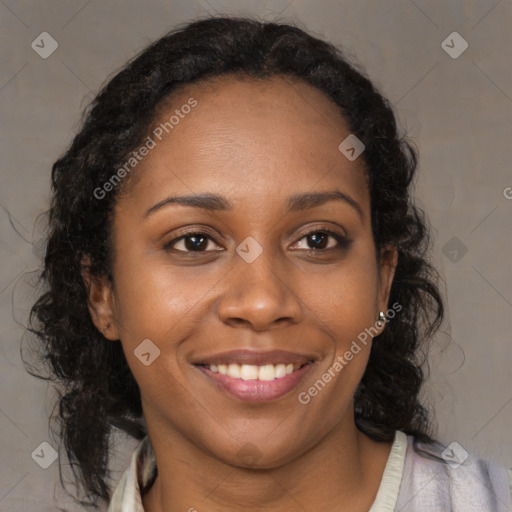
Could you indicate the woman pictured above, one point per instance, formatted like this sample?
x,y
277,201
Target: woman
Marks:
x,y
238,278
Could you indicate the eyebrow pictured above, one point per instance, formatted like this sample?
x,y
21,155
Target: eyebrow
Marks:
x,y
295,203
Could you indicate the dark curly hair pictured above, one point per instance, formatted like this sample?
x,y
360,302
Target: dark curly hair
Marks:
x,y
97,390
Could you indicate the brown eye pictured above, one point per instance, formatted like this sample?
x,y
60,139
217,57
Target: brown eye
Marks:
x,y
318,240
191,242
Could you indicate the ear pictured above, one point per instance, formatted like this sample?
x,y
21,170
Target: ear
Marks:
x,y
100,301
388,263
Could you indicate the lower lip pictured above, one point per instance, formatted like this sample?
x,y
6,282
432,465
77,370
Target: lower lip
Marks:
x,y
257,390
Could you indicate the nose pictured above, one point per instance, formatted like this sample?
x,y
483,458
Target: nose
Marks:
x,y
258,295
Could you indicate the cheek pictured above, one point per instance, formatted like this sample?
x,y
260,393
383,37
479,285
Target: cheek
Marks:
x,y
154,309
154,300
344,299
164,304
344,302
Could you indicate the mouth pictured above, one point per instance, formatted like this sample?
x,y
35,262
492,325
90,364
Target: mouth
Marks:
x,y
256,377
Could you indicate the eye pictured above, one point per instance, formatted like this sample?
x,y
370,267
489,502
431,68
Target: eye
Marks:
x,y
194,241
319,240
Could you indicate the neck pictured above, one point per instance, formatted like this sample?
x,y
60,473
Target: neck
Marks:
x,y
343,469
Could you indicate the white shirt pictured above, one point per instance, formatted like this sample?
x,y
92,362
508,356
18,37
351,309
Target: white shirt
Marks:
x,y
417,478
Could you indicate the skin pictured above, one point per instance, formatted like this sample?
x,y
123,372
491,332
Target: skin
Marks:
x,y
255,143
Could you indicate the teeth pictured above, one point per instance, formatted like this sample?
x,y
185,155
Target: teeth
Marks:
x,y
234,371
280,370
252,372
248,372
267,372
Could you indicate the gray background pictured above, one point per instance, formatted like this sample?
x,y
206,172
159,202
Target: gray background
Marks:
x,y
459,112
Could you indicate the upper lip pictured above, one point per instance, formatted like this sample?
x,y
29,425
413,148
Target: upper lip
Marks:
x,y
260,358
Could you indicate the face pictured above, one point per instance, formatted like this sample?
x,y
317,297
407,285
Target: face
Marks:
x,y
267,278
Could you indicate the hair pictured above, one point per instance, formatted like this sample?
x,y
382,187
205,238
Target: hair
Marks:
x,y
97,390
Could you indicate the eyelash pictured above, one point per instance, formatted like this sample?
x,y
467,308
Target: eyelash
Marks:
x,y
343,242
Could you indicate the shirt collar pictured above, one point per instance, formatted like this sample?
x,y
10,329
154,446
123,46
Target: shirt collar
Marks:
x,y
136,480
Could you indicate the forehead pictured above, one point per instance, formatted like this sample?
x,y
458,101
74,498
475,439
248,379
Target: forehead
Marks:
x,y
272,112
248,136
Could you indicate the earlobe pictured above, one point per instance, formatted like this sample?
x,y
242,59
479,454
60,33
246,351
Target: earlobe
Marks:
x,y
100,301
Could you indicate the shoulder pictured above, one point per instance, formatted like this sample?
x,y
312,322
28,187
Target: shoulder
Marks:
x,y
439,478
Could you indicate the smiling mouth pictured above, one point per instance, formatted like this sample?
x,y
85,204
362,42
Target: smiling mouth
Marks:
x,y
255,376
267,372
255,383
